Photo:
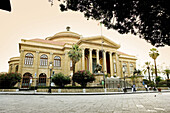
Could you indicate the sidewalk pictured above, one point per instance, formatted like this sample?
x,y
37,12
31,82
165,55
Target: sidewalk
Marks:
x,y
91,93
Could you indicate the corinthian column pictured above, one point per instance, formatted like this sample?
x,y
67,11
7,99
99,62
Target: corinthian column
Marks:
x,y
97,56
90,51
111,64
83,57
104,58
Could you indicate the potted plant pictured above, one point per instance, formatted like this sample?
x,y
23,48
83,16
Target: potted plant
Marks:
x,y
159,89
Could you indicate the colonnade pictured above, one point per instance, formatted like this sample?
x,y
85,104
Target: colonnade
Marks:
x,y
97,51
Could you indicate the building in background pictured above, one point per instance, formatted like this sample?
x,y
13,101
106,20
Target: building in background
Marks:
x,y
36,54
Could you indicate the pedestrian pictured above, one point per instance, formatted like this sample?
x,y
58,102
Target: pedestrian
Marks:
x,y
118,85
146,87
134,89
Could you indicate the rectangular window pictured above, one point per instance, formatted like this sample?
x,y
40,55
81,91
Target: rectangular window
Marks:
x,y
114,65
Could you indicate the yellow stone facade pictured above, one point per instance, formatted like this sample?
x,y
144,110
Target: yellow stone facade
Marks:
x,y
30,62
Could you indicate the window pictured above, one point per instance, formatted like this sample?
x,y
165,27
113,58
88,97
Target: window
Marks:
x,y
131,68
125,66
71,65
57,61
29,59
114,65
16,69
43,60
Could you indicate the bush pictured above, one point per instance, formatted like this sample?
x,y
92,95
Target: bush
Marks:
x,y
9,80
168,82
60,79
83,77
146,81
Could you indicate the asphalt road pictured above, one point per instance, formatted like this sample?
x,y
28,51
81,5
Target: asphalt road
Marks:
x,y
123,103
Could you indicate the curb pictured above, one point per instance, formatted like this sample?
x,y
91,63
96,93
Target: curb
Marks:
x,y
103,93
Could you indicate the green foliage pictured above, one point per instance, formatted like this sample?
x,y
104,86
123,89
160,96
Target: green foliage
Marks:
x,y
151,84
166,72
153,53
147,18
75,54
60,79
168,82
9,80
158,79
83,77
146,81
162,83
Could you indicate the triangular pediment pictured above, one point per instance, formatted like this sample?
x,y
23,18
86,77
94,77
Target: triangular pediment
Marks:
x,y
99,40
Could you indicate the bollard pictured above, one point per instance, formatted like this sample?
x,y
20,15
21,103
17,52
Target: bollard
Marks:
x,y
84,90
59,90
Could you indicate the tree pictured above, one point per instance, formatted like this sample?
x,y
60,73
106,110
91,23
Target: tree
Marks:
x,y
136,74
167,72
5,5
60,79
154,54
147,69
83,77
75,54
9,80
150,19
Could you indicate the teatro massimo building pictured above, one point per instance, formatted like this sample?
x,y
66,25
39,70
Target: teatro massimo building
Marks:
x,y
36,55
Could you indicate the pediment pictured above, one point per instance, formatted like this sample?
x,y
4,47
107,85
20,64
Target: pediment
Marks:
x,y
99,40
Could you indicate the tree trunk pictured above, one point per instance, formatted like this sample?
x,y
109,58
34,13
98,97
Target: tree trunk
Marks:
x,y
73,83
167,76
156,71
149,73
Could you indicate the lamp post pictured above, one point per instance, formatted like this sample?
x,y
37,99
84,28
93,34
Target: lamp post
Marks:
x,y
50,66
125,90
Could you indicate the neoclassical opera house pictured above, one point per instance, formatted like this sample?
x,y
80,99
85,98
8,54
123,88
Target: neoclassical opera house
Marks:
x,y
36,55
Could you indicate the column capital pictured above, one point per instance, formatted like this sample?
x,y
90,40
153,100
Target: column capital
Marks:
x,y
90,49
83,49
21,50
110,52
37,51
51,53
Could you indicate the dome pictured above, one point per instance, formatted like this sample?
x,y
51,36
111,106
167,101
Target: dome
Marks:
x,y
67,34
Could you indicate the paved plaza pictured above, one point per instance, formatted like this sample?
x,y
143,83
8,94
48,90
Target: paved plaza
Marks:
x,y
122,103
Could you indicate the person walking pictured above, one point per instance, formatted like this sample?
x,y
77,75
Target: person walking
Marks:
x,y
134,89
146,87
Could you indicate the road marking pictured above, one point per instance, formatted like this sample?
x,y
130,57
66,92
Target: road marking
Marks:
x,y
159,109
139,106
151,110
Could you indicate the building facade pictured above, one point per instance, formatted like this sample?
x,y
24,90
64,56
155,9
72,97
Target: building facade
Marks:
x,y
36,55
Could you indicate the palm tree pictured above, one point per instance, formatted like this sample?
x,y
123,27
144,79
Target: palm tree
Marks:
x,y
136,74
167,72
154,54
147,69
75,54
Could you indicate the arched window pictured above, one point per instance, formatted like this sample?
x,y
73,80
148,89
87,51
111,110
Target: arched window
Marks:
x,y
29,59
43,60
57,61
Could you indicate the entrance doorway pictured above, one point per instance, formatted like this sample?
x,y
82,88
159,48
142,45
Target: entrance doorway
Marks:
x,y
42,79
26,80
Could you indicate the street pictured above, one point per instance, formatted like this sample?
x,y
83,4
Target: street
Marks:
x,y
123,103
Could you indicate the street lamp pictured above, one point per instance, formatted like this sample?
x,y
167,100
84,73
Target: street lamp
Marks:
x,y
124,70
50,66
